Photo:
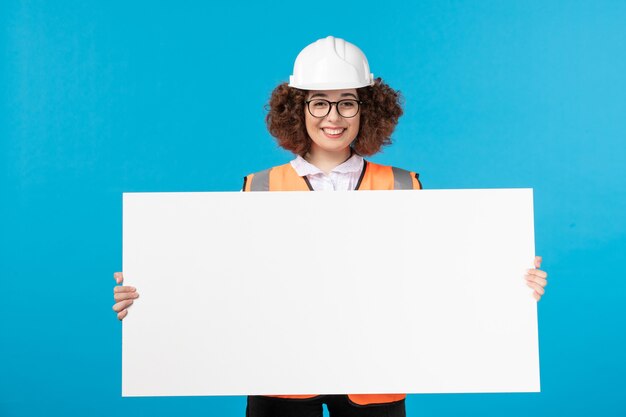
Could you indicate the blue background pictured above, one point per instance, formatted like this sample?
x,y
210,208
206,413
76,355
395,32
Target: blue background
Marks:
x,y
98,98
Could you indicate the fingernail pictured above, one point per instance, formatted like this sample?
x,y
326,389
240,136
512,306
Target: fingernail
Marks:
x,y
133,289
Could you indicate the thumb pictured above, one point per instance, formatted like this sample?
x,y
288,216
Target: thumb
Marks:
x,y
538,260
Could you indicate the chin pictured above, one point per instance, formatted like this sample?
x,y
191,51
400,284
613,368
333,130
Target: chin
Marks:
x,y
329,145
334,147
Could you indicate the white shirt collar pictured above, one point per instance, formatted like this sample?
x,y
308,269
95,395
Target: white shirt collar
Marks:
x,y
304,167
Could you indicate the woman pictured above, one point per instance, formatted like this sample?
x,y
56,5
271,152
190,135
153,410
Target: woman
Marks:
x,y
331,114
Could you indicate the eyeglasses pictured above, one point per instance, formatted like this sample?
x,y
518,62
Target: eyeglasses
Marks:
x,y
320,108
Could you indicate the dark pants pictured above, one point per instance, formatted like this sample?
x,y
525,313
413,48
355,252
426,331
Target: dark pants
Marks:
x,y
338,406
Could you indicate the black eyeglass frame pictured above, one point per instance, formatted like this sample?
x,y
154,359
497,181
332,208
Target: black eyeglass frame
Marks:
x,y
330,107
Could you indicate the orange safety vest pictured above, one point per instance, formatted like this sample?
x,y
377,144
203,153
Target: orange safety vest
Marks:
x,y
373,177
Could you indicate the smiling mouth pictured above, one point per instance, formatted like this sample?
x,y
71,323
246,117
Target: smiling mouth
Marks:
x,y
333,133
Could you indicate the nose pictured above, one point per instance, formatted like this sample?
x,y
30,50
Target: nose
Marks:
x,y
333,114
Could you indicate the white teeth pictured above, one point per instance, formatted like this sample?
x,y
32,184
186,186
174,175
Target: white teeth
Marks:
x,y
333,131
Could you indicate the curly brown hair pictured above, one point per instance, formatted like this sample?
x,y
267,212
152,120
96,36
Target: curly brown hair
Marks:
x,y
380,111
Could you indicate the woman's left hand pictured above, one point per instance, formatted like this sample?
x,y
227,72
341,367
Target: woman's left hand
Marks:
x,y
536,279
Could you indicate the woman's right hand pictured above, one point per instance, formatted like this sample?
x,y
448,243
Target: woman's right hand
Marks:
x,y
124,296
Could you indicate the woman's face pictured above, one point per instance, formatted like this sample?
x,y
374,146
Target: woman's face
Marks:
x,y
332,133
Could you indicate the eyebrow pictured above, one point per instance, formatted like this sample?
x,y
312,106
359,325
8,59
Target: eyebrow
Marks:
x,y
325,95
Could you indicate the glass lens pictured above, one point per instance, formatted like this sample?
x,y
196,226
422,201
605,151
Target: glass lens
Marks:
x,y
319,108
348,108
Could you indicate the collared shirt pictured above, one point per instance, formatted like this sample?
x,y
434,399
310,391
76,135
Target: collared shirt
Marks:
x,y
343,177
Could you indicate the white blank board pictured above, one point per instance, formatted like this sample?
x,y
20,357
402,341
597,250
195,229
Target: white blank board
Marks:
x,y
329,293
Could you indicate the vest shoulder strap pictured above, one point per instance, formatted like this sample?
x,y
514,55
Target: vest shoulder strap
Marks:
x,y
405,180
280,178
383,177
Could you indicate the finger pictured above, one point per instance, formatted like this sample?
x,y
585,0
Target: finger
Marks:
x,y
538,288
124,289
121,296
536,296
538,273
122,314
119,277
122,305
538,260
540,281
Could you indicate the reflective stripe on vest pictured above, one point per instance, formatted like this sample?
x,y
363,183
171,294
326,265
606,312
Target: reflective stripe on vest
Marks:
x,y
373,177
261,181
401,179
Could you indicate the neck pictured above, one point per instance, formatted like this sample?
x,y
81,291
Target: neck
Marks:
x,y
327,160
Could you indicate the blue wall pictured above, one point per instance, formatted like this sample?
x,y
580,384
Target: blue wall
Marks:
x,y
98,98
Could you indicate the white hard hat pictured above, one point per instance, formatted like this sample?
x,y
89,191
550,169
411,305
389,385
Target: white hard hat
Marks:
x,y
331,64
